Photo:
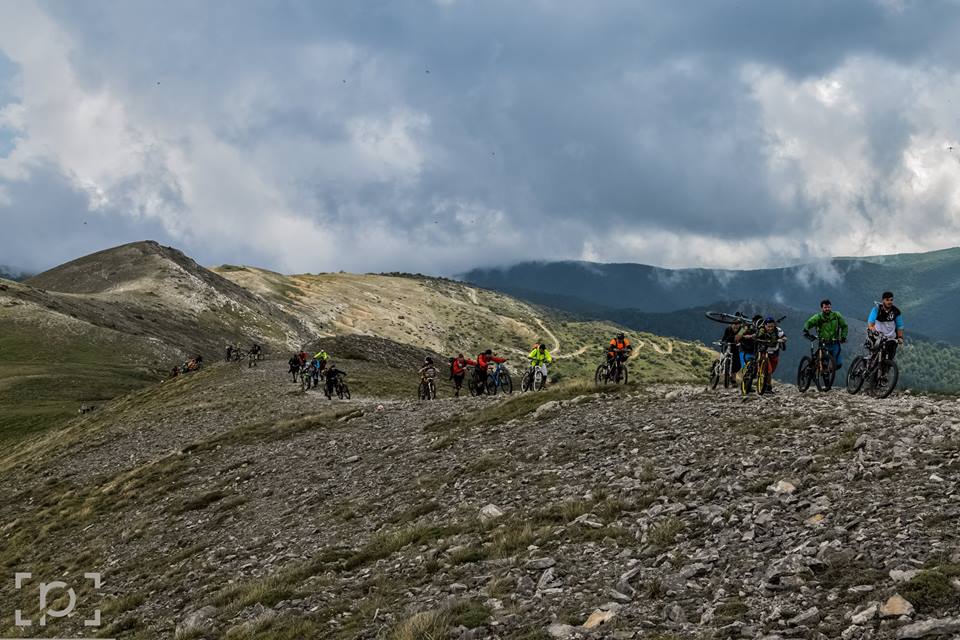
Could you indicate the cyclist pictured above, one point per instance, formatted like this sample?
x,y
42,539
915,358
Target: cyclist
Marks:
x,y
830,325
730,338
886,320
774,341
619,347
255,350
294,363
745,340
229,352
458,371
331,375
323,358
484,360
428,370
539,358
302,356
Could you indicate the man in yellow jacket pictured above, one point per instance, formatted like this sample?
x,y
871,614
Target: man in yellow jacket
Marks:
x,y
539,358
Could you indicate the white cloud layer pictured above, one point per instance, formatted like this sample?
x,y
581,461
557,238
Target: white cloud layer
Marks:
x,y
441,136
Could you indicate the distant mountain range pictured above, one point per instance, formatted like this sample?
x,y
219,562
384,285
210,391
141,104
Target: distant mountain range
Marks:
x,y
673,301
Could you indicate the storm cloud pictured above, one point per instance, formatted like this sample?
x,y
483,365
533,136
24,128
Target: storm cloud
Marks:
x,y
439,136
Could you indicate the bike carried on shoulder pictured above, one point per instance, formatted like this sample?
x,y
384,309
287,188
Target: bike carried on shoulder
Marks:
x,y
877,370
722,368
819,367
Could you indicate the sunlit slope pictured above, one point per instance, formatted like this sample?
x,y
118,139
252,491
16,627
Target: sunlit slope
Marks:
x,y
451,317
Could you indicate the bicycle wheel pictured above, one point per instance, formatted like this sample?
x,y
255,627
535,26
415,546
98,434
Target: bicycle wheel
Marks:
x,y
856,374
624,374
431,390
888,374
715,374
761,375
804,377
600,377
422,391
304,383
824,371
746,382
506,383
538,380
472,385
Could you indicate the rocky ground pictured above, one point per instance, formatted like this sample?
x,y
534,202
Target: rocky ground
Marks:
x,y
231,505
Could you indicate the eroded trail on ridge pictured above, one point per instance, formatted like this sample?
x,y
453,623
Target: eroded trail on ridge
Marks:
x,y
676,510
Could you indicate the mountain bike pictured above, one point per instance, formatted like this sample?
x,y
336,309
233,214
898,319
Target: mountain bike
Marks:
x,y
722,368
819,367
532,380
238,355
499,380
427,390
756,371
614,371
726,318
878,371
252,359
336,385
306,378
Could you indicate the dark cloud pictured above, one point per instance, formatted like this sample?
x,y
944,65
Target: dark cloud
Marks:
x,y
611,130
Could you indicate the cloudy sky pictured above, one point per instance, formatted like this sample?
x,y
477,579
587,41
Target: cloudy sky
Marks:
x,y
434,136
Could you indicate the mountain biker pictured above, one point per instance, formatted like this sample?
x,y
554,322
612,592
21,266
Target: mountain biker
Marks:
x,y
771,338
830,325
322,357
484,360
229,352
618,349
746,339
730,338
539,358
294,363
887,320
255,349
428,370
303,357
458,371
332,373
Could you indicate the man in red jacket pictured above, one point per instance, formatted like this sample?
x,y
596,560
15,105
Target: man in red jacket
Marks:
x,y
458,371
484,360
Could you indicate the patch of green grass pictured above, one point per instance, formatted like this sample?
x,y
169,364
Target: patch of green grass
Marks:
x,y
201,501
426,625
664,533
729,611
468,613
468,555
513,538
930,591
415,512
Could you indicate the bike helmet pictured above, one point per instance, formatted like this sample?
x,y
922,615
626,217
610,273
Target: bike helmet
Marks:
x,y
769,319
428,360
488,352
620,336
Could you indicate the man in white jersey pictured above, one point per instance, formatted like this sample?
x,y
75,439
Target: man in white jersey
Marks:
x,y
887,320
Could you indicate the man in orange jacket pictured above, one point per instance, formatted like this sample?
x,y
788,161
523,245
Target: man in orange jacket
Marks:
x,y
620,347
458,371
484,360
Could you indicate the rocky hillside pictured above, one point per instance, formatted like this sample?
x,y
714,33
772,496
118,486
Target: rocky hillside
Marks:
x,y
118,320
229,504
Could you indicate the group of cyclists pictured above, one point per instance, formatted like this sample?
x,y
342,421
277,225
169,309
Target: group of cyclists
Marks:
x,y
310,370
746,339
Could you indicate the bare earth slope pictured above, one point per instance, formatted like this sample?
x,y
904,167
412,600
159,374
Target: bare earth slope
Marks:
x,y
667,511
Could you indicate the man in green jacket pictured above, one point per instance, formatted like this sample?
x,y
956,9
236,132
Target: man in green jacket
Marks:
x,y
830,325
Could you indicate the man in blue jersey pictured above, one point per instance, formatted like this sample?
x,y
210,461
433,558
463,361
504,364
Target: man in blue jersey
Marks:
x,y
887,320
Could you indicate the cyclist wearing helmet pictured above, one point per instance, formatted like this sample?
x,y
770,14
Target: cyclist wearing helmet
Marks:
x,y
539,358
620,348
428,370
745,339
830,325
730,339
886,320
771,338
